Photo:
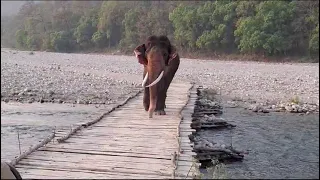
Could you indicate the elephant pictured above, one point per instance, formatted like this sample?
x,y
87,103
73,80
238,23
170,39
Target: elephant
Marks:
x,y
160,61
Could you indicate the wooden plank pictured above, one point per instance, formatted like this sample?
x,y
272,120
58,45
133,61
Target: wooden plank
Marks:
x,y
122,135
97,151
185,160
137,115
134,126
168,118
169,121
148,145
76,157
101,168
84,162
30,172
124,144
188,130
127,131
160,151
107,129
149,139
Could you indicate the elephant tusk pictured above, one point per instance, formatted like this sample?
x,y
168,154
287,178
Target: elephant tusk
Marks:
x,y
157,80
145,80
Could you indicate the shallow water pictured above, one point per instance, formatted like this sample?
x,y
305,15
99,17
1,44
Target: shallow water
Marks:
x,y
279,145
36,121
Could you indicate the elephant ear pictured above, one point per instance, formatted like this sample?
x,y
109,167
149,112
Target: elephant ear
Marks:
x,y
173,54
140,52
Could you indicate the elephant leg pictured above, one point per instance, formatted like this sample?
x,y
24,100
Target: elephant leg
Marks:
x,y
172,69
160,104
146,99
161,99
146,94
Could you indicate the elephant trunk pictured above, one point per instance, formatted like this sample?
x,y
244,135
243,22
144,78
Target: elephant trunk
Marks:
x,y
155,73
153,91
153,100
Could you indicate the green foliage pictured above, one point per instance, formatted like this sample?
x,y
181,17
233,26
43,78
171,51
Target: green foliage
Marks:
x,y
228,26
86,28
314,42
185,23
269,30
217,20
111,15
61,41
246,8
21,37
32,42
130,29
99,39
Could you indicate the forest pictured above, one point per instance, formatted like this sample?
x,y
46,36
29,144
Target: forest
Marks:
x,y
287,28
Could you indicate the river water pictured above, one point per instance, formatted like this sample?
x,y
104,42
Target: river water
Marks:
x,y
279,145
34,122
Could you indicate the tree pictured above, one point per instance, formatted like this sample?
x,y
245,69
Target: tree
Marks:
x,y
131,36
61,41
269,30
99,39
21,37
112,13
218,24
275,28
305,21
314,42
186,26
86,28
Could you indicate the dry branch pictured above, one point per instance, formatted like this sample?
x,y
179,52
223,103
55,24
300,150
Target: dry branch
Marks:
x,y
206,150
32,149
210,112
19,142
202,118
85,125
210,124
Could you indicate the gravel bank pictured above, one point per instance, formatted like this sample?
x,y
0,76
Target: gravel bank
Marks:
x,y
96,78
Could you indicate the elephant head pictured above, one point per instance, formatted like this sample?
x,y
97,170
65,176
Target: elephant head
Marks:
x,y
155,55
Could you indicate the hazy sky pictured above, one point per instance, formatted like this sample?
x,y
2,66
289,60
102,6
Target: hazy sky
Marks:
x,y
10,7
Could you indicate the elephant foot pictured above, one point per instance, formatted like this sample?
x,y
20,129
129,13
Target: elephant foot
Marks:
x,y
146,107
160,112
150,115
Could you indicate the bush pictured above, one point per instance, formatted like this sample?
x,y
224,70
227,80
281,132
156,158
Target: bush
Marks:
x,y
99,39
61,41
21,37
314,42
269,30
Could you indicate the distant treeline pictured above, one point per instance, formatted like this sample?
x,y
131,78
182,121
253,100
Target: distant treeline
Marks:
x,y
269,28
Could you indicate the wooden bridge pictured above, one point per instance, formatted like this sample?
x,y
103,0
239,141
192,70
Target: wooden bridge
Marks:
x,y
123,144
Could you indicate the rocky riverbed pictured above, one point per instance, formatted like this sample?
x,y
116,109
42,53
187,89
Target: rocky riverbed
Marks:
x,y
102,79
